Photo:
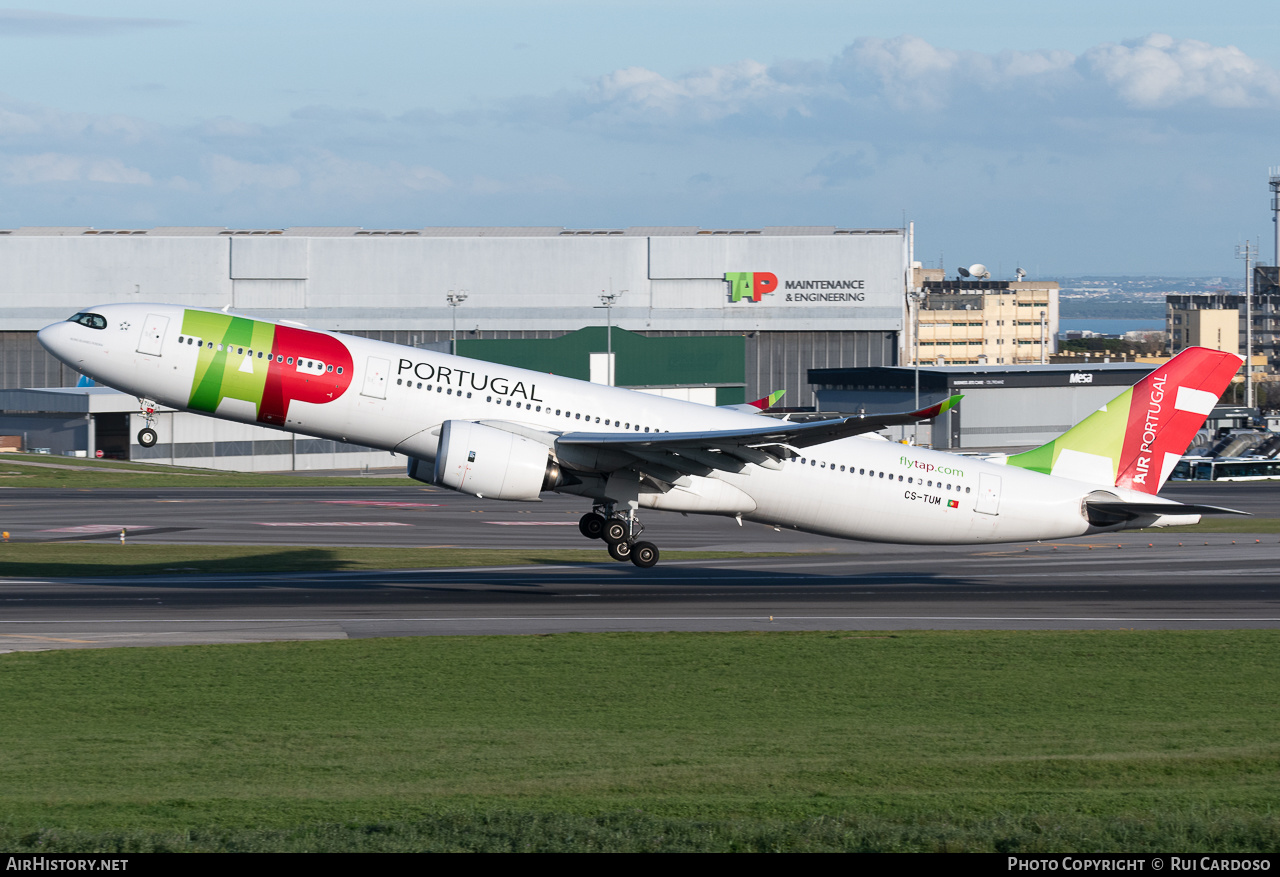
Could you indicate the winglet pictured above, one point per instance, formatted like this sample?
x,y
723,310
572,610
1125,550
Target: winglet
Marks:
x,y
768,401
941,408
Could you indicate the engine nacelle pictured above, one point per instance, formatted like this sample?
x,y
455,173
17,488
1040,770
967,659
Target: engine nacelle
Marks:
x,y
491,463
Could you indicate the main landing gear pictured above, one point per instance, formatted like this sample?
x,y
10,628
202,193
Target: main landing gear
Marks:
x,y
619,532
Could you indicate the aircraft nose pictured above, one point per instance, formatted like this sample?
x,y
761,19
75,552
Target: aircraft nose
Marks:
x,y
54,339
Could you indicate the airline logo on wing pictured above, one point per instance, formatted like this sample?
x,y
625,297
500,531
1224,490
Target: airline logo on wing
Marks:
x,y
751,284
266,365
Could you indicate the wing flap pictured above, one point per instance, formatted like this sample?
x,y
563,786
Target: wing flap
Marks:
x,y
793,435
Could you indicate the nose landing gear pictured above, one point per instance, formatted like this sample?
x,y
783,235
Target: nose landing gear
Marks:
x,y
147,436
620,532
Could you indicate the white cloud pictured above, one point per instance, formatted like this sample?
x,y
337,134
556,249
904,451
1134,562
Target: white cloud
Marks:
x,y
908,77
1160,72
52,167
31,23
226,174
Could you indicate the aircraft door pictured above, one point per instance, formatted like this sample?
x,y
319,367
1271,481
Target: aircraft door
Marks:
x,y
375,378
988,502
153,334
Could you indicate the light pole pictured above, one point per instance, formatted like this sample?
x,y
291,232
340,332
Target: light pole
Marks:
x,y
914,297
607,301
454,299
1043,353
1248,252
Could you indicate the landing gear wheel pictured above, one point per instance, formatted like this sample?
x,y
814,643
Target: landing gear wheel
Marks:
x,y
644,554
147,437
620,550
615,531
592,525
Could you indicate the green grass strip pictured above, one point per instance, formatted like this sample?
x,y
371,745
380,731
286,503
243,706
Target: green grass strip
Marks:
x,y
1224,524
41,470
974,740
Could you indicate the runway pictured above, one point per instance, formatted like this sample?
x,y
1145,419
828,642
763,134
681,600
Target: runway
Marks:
x,y
1119,582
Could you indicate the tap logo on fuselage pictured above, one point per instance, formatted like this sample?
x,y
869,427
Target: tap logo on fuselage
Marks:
x,y
267,365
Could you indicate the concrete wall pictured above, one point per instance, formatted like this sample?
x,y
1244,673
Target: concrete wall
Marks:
x,y
541,280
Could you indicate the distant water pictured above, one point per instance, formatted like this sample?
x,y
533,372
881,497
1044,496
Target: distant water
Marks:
x,y
1113,327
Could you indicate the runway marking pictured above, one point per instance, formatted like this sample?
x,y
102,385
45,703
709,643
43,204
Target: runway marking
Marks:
x,y
457,618
95,528
380,504
47,639
331,524
533,523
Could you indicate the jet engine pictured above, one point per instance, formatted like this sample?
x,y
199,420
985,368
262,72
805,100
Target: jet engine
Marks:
x,y
491,463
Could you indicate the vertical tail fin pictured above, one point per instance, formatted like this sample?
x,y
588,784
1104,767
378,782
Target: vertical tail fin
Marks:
x,y
1135,440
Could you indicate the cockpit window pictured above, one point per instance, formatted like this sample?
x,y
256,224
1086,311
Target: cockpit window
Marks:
x,y
93,321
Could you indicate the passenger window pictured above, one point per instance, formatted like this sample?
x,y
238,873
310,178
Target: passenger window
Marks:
x,y
339,369
219,346
289,361
329,368
240,352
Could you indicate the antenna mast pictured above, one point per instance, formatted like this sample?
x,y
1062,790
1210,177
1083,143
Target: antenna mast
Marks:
x,y
1274,182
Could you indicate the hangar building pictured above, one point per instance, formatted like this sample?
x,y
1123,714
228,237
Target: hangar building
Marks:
x,y
1005,406
799,297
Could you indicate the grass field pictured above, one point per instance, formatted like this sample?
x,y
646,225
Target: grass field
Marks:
x,y
1027,741
108,558
42,470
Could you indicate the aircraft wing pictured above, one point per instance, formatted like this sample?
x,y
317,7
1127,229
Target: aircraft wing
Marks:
x,y
761,444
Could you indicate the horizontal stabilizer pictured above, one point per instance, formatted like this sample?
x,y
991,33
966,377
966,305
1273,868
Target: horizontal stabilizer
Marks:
x,y
1138,509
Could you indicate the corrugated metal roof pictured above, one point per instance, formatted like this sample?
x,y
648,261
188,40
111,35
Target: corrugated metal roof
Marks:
x,y
69,400
50,231
492,232
321,231
186,230
798,229
453,231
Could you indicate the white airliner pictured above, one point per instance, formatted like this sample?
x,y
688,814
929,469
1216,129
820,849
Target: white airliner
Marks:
x,y
506,433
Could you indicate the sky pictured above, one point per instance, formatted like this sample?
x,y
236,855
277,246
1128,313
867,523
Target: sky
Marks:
x,y
1090,138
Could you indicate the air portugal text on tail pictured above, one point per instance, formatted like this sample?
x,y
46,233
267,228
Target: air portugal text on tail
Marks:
x,y
1136,439
625,452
